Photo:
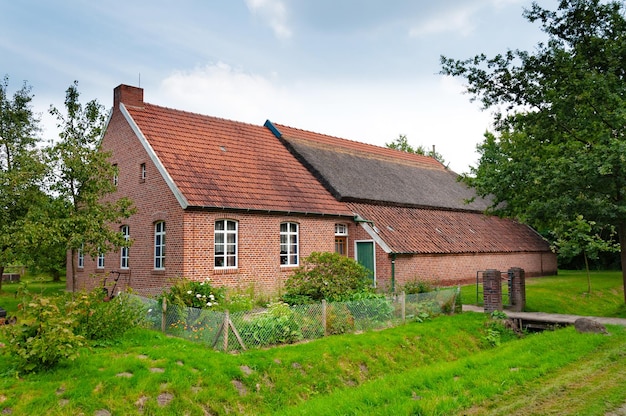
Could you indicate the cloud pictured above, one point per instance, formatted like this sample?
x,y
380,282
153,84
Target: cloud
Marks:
x,y
428,112
274,12
459,20
223,91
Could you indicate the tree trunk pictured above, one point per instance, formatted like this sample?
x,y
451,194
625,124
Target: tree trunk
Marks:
x,y
1,273
622,249
588,276
73,268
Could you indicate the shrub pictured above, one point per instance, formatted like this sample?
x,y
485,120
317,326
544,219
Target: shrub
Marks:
x,y
417,286
329,276
105,321
499,328
278,325
194,294
45,334
339,319
370,306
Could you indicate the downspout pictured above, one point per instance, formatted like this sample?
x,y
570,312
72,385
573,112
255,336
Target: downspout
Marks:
x,y
393,272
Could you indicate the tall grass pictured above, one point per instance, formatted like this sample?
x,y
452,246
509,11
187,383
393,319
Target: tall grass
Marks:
x,y
444,366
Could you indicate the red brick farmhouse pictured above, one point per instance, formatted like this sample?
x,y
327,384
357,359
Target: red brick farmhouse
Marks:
x,y
243,204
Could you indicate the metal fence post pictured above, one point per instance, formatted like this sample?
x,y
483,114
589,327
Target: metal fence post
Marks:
x,y
324,316
163,314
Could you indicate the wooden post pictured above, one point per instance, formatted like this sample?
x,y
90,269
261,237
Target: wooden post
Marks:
x,y
324,316
226,329
403,305
163,315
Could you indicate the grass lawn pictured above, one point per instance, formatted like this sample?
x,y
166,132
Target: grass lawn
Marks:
x,y
568,293
444,366
36,284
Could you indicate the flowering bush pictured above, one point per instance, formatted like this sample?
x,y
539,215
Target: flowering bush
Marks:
x,y
194,294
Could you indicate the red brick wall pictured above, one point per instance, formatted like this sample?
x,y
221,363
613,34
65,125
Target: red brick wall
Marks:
x,y
153,200
190,235
189,238
258,247
452,269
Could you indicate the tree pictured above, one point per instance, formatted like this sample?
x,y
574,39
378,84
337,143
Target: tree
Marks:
x,y
81,213
21,170
402,144
580,236
559,149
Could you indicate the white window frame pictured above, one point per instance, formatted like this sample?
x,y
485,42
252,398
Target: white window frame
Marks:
x,y
81,257
341,233
159,245
341,230
125,251
289,244
226,237
115,175
100,262
142,170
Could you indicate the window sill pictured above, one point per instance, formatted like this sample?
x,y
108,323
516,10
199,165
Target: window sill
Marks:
x,y
226,271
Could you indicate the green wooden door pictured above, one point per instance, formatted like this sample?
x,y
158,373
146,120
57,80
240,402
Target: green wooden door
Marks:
x,y
365,257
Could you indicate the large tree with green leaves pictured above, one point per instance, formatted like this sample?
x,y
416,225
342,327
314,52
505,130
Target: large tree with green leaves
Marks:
x,y
82,210
402,144
558,150
21,169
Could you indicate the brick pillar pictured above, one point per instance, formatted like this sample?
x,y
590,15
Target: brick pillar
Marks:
x,y
518,289
492,290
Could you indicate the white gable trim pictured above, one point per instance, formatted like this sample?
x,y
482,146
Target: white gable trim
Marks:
x,y
166,176
372,233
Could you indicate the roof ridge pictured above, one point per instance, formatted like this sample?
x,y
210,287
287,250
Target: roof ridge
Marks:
x,y
197,114
395,154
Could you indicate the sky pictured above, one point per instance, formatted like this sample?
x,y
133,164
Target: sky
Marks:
x,y
364,70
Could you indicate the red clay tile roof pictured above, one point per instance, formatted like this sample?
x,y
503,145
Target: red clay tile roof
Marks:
x,y
429,231
227,164
360,172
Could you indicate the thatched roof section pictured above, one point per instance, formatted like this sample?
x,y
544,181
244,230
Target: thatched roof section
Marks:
x,y
354,171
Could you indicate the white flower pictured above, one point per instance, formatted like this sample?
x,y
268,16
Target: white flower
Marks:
x,y
189,292
202,284
209,304
198,295
211,296
149,310
203,296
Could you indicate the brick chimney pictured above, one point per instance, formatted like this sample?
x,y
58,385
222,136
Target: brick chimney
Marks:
x,y
130,96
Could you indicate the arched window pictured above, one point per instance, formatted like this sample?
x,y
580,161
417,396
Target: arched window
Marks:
x,y
159,245
125,251
225,253
289,244
100,264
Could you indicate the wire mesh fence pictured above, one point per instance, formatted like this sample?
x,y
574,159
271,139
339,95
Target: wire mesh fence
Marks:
x,y
281,323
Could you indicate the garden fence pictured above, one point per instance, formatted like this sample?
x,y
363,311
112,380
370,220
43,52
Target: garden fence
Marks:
x,y
284,324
